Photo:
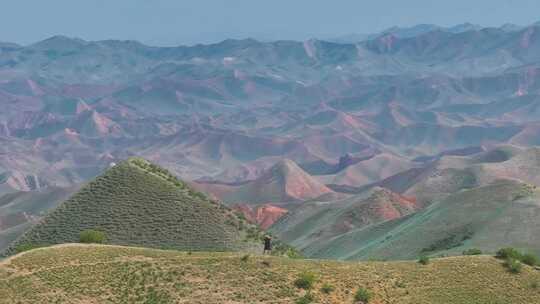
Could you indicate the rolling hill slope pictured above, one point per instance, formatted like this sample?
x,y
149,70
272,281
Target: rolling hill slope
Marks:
x,y
489,217
19,210
138,203
317,222
486,200
368,171
110,274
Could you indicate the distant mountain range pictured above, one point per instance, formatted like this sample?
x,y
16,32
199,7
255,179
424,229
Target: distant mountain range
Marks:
x,y
270,126
420,29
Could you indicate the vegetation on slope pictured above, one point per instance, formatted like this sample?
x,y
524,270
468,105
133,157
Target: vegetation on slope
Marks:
x,y
138,203
500,214
20,209
316,222
110,274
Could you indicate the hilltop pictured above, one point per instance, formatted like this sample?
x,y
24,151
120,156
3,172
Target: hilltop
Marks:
x,y
110,274
284,182
139,203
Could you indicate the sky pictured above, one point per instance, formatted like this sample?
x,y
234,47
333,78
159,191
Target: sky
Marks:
x,y
187,22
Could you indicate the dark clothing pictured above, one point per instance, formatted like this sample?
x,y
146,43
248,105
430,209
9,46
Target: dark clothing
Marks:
x,y
267,243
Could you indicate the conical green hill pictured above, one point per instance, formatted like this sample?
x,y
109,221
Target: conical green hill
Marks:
x,y
137,203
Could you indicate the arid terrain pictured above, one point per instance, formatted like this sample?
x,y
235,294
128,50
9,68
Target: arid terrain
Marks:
x,y
315,140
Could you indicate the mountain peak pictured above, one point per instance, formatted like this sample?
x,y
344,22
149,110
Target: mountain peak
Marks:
x,y
138,203
91,123
60,43
286,167
291,182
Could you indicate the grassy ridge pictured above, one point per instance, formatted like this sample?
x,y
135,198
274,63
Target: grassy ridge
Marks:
x,y
138,203
107,274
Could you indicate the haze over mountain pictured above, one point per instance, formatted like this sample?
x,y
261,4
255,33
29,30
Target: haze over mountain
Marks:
x,y
70,107
416,30
267,126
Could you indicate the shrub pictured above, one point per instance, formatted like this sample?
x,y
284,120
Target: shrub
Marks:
x,y
529,259
455,239
25,247
362,295
513,265
424,260
472,251
293,253
282,249
245,258
513,254
327,288
92,237
533,285
305,281
306,299
508,253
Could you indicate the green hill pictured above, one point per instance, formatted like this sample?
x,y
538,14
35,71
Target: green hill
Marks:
x,y
501,214
111,274
316,222
138,203
485,201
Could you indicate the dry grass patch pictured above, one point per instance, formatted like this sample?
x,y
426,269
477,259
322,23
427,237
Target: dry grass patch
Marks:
x,y
109,274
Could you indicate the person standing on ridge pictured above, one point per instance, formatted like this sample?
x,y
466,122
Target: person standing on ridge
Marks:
x,y
267,244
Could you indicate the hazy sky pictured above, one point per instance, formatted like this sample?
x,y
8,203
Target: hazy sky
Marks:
x,y
171,22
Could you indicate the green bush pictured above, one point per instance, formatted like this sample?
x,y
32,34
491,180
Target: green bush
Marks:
x,y
92,237
293,254
25,247
529,259
362,295
327,288
508,253
456,239
472,251
245,258
306,299
513,254
305,281
424,260
282,249
513,265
